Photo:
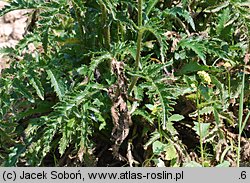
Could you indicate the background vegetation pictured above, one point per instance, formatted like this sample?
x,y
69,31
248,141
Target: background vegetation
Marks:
x,y
128,83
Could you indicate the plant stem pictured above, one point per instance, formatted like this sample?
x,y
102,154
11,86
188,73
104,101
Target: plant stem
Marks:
x,y
138,49
106,27
122,32
199,124
137,61
240,117
140,12
229,84
79,19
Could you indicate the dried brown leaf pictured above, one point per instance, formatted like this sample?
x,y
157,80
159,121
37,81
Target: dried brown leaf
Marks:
x,y
119,110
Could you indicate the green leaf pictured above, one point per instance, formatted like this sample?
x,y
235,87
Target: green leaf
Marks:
x,y
183,13
42,107
192,67
222,20
171,129
206,110
21,88
204,129
158,34
159,162
45,39
15,153
150,6
218,122
168,149
245,121
225,164
97,60
102,120
56,84
7,50
98,117
68,130
184,3
35,82
158,147
196,46
21,4
150,107
192,164
144,114
154,136
154,85
228,116
217,8
110,6
176,117
170,152
217,83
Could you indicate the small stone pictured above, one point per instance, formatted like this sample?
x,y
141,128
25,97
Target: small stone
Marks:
x,y
31,47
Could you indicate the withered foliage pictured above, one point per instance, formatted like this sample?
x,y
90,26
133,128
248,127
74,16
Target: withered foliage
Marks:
x,y
119,110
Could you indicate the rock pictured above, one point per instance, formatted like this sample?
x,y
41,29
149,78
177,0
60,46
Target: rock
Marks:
x,y
22,21
31,47
12,28
6,30
2,4
9,17
13,42
18,30
5,44
14,15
